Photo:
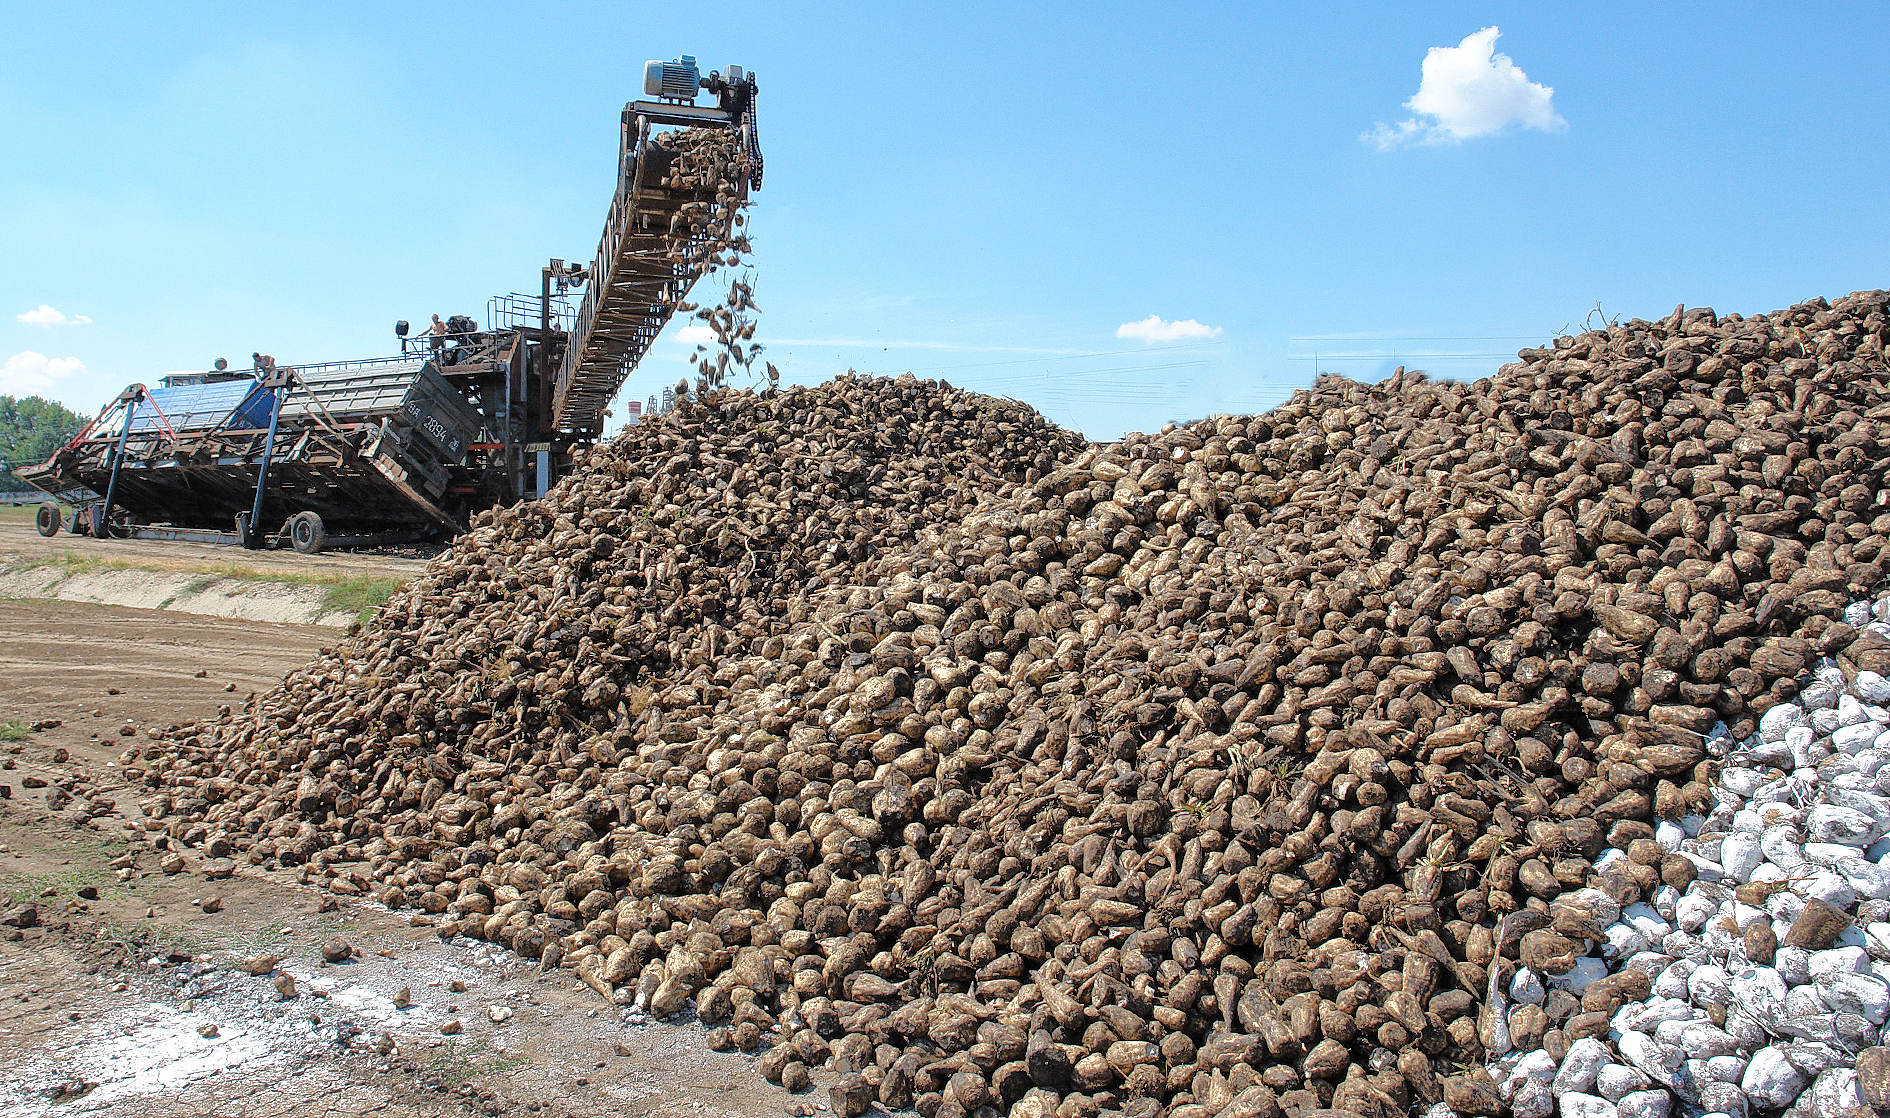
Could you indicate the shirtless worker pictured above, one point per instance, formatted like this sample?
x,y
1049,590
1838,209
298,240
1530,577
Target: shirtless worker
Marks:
x,y
436,336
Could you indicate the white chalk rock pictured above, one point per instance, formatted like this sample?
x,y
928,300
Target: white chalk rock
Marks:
x,y
1586,1057
1785,905
1742,782
1747,1030
1813,1058
1831,823
1723,1098
1703,1040
1837,960
1826,885
1709,985
1644,1104
1775,722
1801,1002
1739,855
1671,982
1866,879
1850,739
1658,1062
1877,940
1576,1104
1646,919
1828,854
1771,1081
1801,741
1624,939
1759,993
1868,685
1532,1100
1845,792
1793,965
1538,1065
1587,971
1645,1017
1704,869
1837,1094
1864,995
1526,987
1781,846
1649,962
1723,1069
1692,911
1617,1081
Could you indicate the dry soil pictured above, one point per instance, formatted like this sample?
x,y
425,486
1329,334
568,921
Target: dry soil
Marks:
x,y
125,997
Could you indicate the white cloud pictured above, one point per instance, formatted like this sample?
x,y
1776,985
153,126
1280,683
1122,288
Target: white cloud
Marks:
x,y
696,334
1470,90
46,317
28,372
1155,329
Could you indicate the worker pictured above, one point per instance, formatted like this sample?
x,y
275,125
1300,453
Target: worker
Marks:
x,y
436,336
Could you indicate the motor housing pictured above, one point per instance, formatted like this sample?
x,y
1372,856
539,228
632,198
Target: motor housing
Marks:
x,y
678,80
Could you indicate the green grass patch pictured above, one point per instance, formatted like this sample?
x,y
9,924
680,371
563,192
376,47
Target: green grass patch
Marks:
x,y
65,884
73,563
460,1062
358,594
158,939
15,731
198,585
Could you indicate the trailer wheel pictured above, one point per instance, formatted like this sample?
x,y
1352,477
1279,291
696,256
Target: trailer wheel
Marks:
x,y
47,519
306,532
244,537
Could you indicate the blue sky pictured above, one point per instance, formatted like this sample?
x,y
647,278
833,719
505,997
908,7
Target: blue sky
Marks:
x,y
987,192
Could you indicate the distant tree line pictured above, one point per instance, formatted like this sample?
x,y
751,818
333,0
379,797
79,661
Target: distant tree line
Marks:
x,y
30,430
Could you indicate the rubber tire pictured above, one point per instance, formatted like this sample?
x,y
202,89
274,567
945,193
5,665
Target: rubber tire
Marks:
x,y
244,537
47,519
306,532
101,525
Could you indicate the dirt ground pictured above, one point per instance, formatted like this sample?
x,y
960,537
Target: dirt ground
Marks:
x,y
17,535
125,991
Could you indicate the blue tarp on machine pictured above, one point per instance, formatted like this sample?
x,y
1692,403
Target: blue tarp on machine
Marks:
x,y
232,405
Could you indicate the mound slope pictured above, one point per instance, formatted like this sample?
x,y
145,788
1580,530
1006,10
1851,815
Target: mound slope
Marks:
x,y
1221,770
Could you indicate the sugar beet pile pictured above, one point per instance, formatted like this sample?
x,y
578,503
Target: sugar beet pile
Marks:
x,y
1220,771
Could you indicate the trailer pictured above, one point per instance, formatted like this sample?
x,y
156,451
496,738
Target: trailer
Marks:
x,y
347,454
409,446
